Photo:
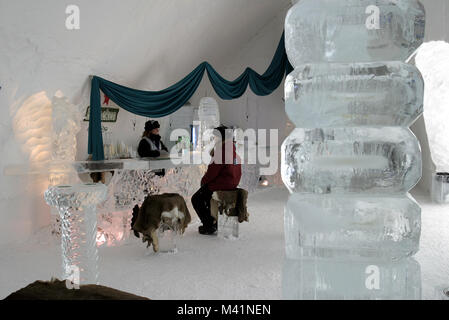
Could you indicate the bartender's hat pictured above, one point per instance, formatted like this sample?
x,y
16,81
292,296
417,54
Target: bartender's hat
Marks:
x,y
151,124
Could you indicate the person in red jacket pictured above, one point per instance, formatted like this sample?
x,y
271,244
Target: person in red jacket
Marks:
x,y
223,174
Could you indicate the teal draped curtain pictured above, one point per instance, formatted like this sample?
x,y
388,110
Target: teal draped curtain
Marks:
x,y
157,104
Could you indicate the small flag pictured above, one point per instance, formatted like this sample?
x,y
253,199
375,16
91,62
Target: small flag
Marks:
x,y
106,100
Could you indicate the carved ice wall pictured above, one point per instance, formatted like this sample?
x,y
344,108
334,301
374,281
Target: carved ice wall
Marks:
x,y
128,188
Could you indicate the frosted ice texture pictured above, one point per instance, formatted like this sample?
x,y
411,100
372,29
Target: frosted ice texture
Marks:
x,y
351,160
327,279
343,31
77,209
357,94
336,226
228,227
130,187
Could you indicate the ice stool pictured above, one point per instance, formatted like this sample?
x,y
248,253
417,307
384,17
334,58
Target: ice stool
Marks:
x,y
228,208
440,187
77,207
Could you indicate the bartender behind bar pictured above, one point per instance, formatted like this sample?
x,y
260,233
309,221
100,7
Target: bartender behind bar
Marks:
x,y
151,145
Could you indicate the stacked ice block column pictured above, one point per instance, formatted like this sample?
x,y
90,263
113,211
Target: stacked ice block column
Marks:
x,y
350,224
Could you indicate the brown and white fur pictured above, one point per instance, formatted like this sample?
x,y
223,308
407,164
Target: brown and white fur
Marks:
x,y
168,208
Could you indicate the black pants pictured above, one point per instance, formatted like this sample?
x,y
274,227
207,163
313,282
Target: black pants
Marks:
x,y
201,204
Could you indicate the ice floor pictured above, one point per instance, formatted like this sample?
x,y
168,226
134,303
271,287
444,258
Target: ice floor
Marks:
x,y
210,268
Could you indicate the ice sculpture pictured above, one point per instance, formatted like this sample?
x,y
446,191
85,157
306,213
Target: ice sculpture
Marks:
x,y
352,160
209,113
209,116
77,209
66,123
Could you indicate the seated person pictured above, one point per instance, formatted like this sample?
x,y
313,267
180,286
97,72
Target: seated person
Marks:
x,y
151,145
221,175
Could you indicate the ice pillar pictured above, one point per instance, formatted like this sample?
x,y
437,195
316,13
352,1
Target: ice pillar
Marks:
x,y
351,227
77,207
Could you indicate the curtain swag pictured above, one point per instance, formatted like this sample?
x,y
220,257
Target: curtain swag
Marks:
x,y
162,103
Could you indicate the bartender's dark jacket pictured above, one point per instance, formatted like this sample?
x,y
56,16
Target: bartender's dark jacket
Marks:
x,y
150,147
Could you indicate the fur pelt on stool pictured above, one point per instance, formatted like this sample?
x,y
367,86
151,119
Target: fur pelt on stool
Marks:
x,y
232,203
169,208
57,290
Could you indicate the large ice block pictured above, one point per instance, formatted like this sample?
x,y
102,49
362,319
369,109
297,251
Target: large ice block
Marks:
x,y
381,160
352,226
322,279
358,94
353,30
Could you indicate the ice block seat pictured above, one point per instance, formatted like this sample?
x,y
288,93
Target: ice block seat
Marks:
x,y
440,187
229,209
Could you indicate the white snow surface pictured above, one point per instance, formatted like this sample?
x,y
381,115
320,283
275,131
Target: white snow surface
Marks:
x,y
207,267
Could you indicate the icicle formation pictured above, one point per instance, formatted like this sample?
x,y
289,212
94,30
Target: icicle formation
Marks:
x,y
353,159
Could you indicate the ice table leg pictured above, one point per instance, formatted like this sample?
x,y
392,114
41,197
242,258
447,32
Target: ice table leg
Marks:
x,y
77,209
